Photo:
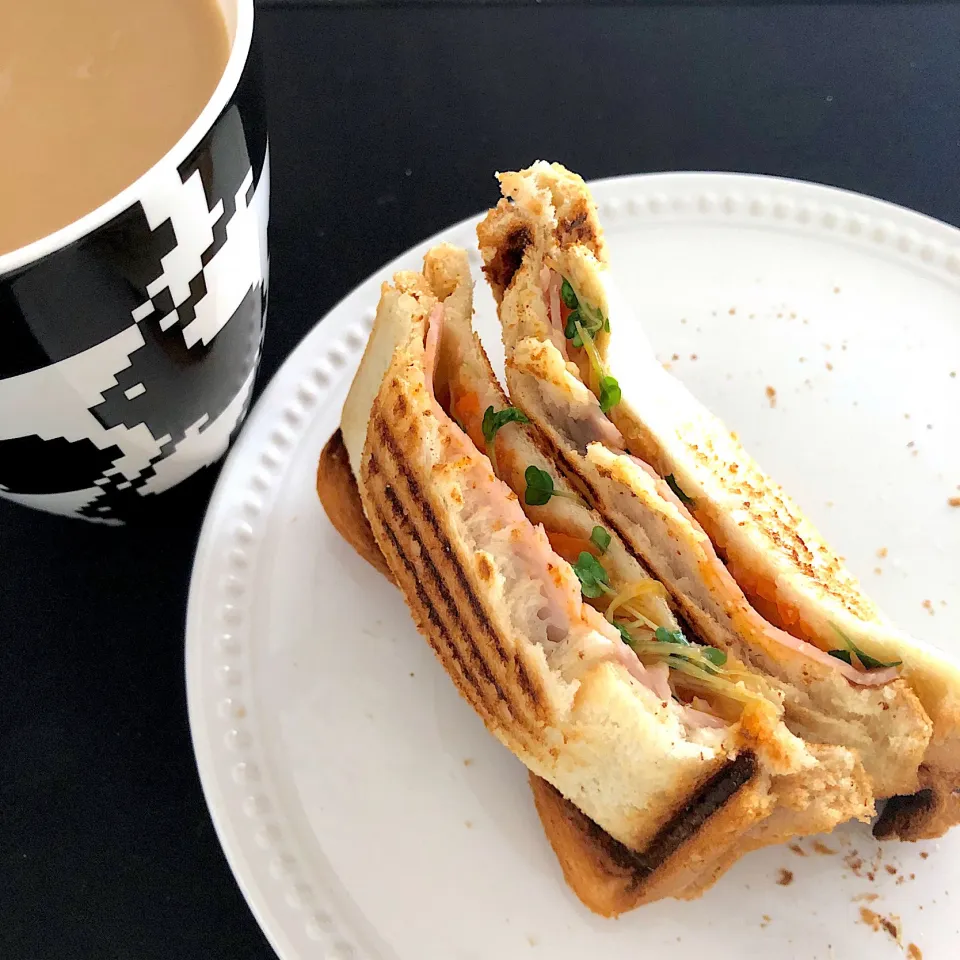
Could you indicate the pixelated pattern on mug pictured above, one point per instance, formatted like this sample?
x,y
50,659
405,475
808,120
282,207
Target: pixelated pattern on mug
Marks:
x,y
128,358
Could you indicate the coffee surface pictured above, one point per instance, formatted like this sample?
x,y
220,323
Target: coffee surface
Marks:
x,y
92,94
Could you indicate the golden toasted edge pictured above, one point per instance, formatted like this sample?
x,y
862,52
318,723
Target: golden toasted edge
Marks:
x,y
558,211
340,497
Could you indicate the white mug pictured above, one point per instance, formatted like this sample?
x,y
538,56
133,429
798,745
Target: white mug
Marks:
x,y
129,339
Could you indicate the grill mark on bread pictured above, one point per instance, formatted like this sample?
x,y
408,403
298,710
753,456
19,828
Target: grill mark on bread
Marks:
x,y
515,733
426,570
436,581
537,708
452,657
710,798
508,258
636,868
430,517
532,694
465,681
904,816
577,228
683,826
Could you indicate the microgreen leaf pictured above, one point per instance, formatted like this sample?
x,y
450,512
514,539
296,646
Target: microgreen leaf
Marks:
x,y
624,633
872,663
493,420
600,538
567,294
593,578
675,487
664,635
717,657
539,486
868,662
570,329
609,393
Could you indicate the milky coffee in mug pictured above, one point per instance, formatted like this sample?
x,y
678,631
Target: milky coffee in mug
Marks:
x,y
92,94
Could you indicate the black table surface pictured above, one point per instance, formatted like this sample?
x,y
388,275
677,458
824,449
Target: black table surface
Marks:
x,y
387,122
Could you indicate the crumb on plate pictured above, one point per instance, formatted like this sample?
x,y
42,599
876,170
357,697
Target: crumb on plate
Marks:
x,y
878,922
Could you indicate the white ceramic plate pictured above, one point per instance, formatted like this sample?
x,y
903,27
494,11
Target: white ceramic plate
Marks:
x,y
363,808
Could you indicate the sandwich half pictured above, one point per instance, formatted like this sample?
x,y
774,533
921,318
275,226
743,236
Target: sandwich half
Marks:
x,y
670,750
735,553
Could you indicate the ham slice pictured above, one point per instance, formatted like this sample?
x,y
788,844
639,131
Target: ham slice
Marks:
x,y
863,678
696,719
550,283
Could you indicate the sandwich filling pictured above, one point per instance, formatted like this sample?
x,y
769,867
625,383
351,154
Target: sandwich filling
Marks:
x,y
577,613
581,326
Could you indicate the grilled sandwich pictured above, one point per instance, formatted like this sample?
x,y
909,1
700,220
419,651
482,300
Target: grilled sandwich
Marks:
x,y
657,759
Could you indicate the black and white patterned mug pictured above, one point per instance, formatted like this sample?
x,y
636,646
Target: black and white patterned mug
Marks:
x,y
129,339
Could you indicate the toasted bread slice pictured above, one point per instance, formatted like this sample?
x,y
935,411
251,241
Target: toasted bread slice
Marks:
x,y
605,875
544,671
548,229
